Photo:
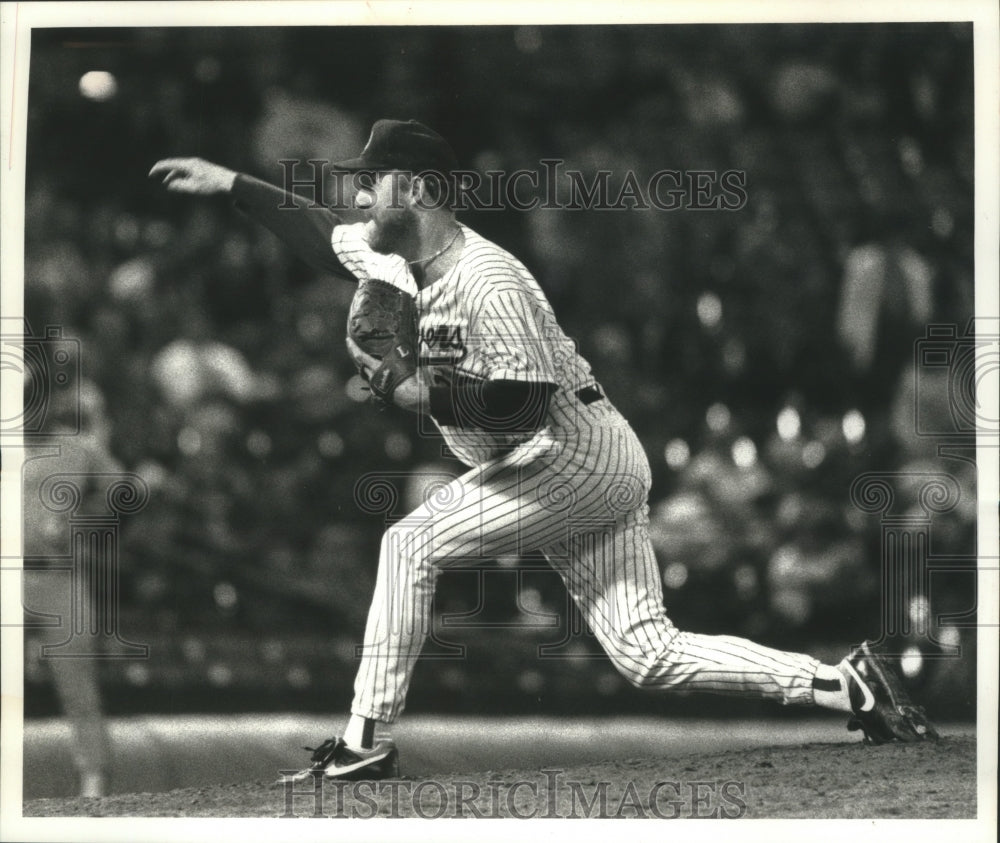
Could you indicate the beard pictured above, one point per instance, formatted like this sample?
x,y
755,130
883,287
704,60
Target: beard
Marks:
x,y
392,232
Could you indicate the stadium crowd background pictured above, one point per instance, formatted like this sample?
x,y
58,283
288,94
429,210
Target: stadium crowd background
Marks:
x,y
763,355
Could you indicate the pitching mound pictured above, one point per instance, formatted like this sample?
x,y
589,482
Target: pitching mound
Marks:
x,y
822,780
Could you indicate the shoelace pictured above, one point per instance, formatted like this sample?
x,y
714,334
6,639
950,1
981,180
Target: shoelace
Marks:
x,y
323,751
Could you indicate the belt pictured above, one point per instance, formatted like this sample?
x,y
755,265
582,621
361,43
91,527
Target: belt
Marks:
x,y
589,394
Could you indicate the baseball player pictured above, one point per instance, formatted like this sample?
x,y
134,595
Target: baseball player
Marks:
x,y
451,326
47,595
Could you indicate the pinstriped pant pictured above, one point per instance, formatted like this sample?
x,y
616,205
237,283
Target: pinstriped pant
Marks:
x,y
585,509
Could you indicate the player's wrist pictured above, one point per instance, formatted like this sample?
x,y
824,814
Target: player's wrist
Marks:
x,y
227,180
240,185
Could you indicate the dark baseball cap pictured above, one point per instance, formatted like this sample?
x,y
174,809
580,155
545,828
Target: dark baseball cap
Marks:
x,y
403,145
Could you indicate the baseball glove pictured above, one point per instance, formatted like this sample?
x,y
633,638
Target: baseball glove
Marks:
x,y
382,323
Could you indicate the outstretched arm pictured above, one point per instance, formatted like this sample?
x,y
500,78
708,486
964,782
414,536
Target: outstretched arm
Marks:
x,y
301,225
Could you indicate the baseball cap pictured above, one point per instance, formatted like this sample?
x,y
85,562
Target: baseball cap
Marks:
x,y
403,145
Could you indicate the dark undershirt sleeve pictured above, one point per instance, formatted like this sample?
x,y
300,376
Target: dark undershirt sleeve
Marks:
x,y
497,406
303,227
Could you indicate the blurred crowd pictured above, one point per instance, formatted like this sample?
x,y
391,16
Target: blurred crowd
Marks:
x,y
764,355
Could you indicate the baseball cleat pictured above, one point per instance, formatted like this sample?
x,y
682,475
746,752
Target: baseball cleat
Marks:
x,y
333,759
882,708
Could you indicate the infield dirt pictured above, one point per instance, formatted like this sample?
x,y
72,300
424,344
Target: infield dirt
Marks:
x,y
819,780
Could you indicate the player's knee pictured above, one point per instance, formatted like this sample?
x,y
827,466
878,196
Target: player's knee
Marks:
x,y
645,661
632,664
638,674
398,538
406,542
392,538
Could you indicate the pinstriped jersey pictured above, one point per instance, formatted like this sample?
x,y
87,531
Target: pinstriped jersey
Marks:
x,y
485,319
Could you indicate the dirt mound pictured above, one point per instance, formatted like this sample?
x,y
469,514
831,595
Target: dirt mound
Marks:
x,y
842,780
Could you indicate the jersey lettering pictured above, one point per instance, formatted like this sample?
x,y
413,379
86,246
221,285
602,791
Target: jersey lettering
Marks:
x,y
443,345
